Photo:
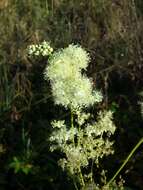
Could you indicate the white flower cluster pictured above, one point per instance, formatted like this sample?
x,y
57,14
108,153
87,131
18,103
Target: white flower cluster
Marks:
x,y
83,141
82,117
43,49
104,124
70,88
93,142
61,136
76,158
90,142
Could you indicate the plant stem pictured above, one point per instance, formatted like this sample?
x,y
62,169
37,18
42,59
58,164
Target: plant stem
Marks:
x,y
81,177
91,178
72,125
125,162
72,119
74,182
79,136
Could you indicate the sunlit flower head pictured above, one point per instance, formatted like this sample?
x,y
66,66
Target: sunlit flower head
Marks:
x,y
43,49
69,87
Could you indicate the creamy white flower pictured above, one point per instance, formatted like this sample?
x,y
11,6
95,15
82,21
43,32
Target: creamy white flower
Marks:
x,y
70,88
42,49
83,141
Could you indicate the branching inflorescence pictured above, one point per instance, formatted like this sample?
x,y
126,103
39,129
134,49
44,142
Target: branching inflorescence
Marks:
x,y
69,87
82,141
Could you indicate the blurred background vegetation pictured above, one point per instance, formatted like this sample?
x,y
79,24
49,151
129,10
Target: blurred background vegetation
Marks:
x,y
111,31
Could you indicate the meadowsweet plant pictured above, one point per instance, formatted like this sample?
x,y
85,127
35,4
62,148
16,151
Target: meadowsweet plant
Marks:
x,y
69,87
84,141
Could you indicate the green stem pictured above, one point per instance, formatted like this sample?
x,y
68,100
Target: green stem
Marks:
x,y
79,137
80,173
75,184
72,125
81,177
125,162
91,178
72,119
